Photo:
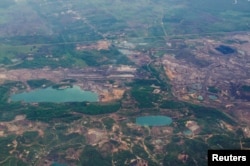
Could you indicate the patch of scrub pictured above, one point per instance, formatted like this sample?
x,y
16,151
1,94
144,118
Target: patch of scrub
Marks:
x,y
187,132
212,97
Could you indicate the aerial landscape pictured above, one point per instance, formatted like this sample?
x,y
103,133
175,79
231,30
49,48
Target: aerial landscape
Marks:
x,y
123,82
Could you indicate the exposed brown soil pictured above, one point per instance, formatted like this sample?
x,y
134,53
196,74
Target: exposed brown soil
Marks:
x,y
112,95
20,125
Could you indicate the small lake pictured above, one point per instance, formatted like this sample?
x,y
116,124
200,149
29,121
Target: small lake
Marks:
x,y
74,94
154,120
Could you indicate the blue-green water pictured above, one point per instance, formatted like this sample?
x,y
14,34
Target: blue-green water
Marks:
x,y
58,164
153,120
74,94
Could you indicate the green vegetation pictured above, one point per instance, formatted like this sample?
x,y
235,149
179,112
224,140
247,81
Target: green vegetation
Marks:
x,y
40,83
190,147
4,141
121,157
246,142
41,62
10,55
3,94
13,161
94,108
46,115
90,156
139,151
206,114
144,83
69,81
28,137
170,104
213,89
210,113
62,85
206,17
65,55
102,57
218,142
142,90
108,122
5,90
144,97
159,74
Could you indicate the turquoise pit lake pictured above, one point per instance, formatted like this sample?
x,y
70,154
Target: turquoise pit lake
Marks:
x,y
73,94
153,120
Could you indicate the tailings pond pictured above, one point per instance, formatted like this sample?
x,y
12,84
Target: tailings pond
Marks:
x,y
153,120
74,94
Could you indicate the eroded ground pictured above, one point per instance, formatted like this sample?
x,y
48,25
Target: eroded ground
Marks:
x,y
216,82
